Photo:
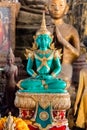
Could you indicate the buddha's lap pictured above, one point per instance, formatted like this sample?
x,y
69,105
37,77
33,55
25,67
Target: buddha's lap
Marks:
x,y
37,84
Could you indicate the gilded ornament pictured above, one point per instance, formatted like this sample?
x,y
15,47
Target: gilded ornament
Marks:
x,y
44,116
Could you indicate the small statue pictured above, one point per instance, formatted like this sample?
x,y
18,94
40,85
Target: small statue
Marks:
x,y
65,37
9,124
43,65
11,73
81,100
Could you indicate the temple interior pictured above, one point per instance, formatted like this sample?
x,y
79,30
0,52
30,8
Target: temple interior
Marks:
x,y
43,64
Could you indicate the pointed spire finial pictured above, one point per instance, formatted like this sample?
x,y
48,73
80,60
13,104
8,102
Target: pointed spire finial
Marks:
x,y
43,24
43,29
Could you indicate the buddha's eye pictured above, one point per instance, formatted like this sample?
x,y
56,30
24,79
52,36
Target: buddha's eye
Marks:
x,y
52,5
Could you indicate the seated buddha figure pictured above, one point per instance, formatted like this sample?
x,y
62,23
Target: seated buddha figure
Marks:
x,y
43,65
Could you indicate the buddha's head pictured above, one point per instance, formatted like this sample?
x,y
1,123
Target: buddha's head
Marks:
x,y
10,57
43,37
57,8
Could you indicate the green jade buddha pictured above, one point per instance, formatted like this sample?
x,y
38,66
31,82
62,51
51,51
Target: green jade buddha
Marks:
x,y
43,65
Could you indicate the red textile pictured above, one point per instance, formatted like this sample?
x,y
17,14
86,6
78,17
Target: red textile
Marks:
x,y
58,128
32,127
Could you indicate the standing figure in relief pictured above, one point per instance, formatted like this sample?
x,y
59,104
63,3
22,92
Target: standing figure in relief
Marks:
x,y
11,73
65,37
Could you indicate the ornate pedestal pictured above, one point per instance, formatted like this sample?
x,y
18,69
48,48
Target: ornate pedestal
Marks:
x,y
45,109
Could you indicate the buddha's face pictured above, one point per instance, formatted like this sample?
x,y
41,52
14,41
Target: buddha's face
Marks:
x,y
43,41
57,8
10,61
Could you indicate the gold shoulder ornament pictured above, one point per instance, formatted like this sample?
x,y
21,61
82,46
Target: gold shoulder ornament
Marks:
x,y
58,53
29,53
52,46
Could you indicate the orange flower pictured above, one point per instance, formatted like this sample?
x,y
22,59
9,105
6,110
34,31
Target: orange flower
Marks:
x,y
28,122
2,121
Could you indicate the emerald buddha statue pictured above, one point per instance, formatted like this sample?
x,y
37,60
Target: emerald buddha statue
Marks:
x,y
43,65
42,93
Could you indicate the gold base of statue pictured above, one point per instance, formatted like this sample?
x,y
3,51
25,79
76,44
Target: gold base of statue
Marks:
x,y
29,100
28,105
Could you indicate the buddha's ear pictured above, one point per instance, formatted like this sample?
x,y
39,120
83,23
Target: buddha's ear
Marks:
x,y
66,9
34,46
46,7
34,37
52,37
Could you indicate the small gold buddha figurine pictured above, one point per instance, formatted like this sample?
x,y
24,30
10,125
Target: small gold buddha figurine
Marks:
x,y
9,124
65,37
